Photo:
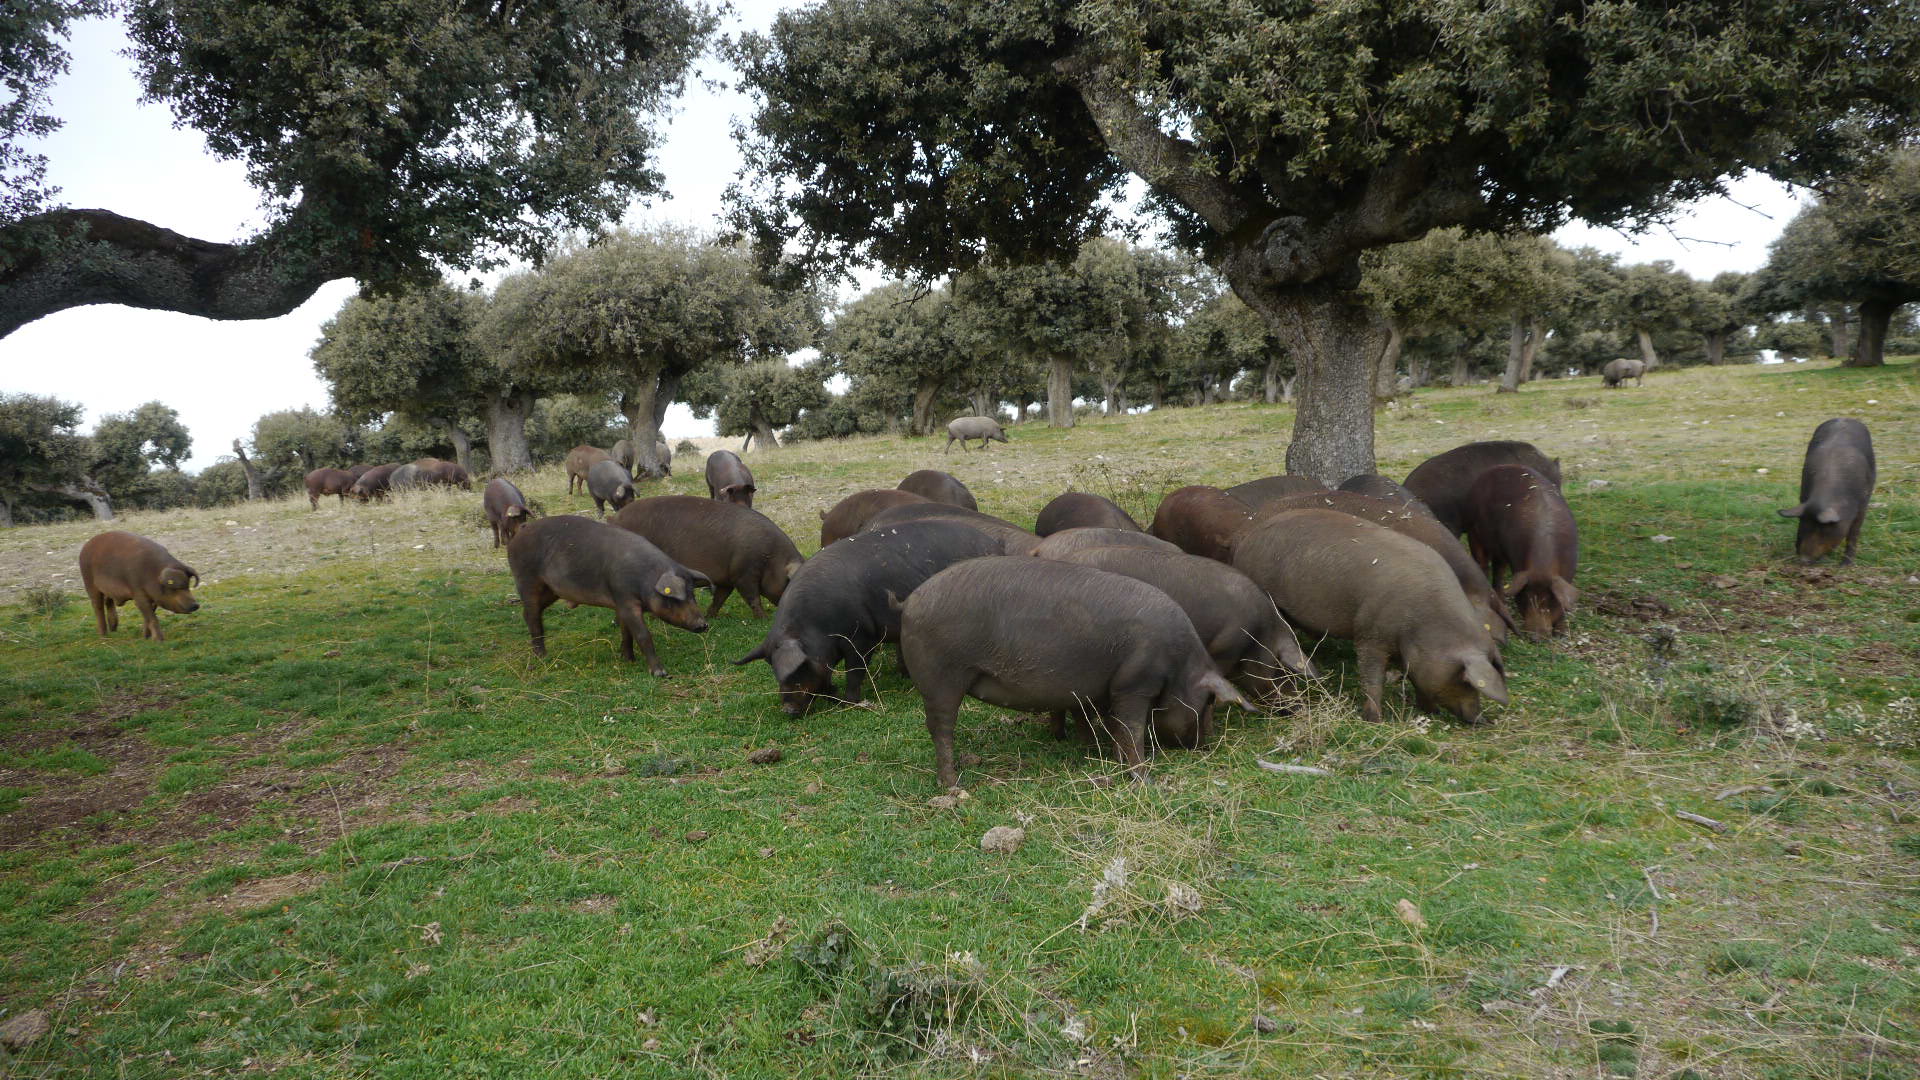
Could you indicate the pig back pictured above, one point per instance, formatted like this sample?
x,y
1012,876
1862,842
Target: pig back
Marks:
x,y
937,486
1258,493
1442,481
851,514
1202,520
1839,465
726,542
1013,539
1067,541
1333,573
1080,509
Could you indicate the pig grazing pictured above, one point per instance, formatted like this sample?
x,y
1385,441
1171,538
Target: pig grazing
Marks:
x,y
1619,371
358,471
1080,510
1106,645
728,478
1836,483
1518,523
731,546
1249,641
984,428
116,567
580,460
1014,540
1071,540
406,478
374,483
938,486
1442,480
582,561
851,514
437,472
607,482
1375,486
1202,520
846,601
328,482
1258,493
1332,573
505,507
624,453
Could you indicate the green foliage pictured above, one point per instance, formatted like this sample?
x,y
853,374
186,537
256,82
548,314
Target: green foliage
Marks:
x,y
564,421
126,446
40,448
411,352
760,397
32,56
290,443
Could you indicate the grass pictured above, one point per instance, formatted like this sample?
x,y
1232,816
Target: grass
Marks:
x,y
341,823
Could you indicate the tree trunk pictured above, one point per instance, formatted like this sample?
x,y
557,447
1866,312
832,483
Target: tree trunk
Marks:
x,y
1516,340
1109,394
507,431
1286,389
1158,397
1022,401
769,442
1646,348
1531,349
1334,339
6,513
1270,382
644,406
1716,347
924,392
462,442
1386,383
1870,350
1059,392
91,494
1837,322
1418,369
984,402
1458,377
746,442
254,491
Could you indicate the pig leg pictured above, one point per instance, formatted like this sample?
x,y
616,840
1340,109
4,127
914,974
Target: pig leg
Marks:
x,y
1372,660
943,710
1853,538
633,627
720,594
949,448
750,592
1129,728
100,609
113,613
1057,722
152,621
535,599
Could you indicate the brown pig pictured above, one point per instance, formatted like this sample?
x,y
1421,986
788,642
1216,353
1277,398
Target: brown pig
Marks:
x,y
438,472
1375,486
1014,540
730,545
729,479
608,482
1442,480
1071,540
505,507
851,514
1391,595
1081,510
1258,493
939,487
375,483
328,482
579,460
116,567
1836,483
1518,523
582,561
1202,520
358,471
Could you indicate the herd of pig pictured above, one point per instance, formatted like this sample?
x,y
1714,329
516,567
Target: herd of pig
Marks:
x,y
1138,632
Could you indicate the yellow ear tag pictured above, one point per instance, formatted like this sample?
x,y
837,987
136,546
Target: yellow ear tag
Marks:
x,y
1480,683
668,590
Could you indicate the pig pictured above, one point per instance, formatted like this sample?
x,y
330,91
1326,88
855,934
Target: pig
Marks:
x,y
374,483
1422,527
1393,596
1242,630
1442,480
1375,486
729,479
579,460
850,515
1518,523
328,482
731,546
406,478
1014,540
1257,493
939,487
437,472
358,471
1836,483
846,601
1202,520
1619,371
116,567
984,428
582,561
1080,510
624,453
505,507
607,482
1071,540
1107,645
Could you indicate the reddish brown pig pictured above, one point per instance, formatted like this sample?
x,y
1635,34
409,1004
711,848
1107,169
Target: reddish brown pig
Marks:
x,y
1202,520
505,507
728,478
1258,493
1442,480
1071,540
1391,595
359,471
939,486
438,472
608,482
580,459
374,483
328,482
582,561
1375,486
1014,540
851,514
1836,483
116,567
1518,523
733,547
1081,510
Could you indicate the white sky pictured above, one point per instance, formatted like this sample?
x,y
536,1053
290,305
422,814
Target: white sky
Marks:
x,y
118,154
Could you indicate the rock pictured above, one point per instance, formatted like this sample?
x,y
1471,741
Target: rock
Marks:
x,y
1264,1024
766,756
20,1030
1003,838
948,801
1599,483
1410,914
697,835
1722,581
1662,538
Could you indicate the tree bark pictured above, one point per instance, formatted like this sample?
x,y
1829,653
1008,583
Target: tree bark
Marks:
x,y
87,492
924,391
1286,389
1458,377
644,407
6,513
1419,368
1646,347
984,401
763,431
1837,322
1021,403
507,431
1386,383
1059,392
462,442
1870,350
255,492
1334,338
1716,341
1157,397
1110,394
1523,342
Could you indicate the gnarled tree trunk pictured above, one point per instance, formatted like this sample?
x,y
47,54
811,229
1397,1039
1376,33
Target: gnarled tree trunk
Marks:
x,y
1522,343
1646,347
1059,392
1335,340
6,513
1838,321
1110,404
924,391
1870,350
507,431
763,431
462,442
985,402
255,492
87,492
1386,383
644,407
1716,342
1458,376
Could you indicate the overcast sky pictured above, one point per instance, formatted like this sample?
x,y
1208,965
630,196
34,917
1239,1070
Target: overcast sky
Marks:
x,y
118,154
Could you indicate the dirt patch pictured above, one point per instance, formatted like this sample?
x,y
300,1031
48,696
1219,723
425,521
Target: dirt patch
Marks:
x,y
268,891
88,803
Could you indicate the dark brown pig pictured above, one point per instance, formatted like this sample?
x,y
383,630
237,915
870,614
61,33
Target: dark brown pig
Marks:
x,y
438,472
1081,510
1518,523
1014,540
328,482
728,478
1115,650
1442,480
851,514
1258,493
846,601
1836,483
582,561
607,482
374,483
1375,486
1202,520
359,471
580,459
505,507
733,547
1071,540
1391,595
1237,622
939,487
116,567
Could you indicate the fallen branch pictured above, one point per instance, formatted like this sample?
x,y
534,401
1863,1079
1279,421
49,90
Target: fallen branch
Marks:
x,y
1698,819
1298,770
1653,905
1741,790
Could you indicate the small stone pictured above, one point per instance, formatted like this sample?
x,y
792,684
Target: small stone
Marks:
x,y
944,802
1599,483
1763,472
1410,914
766,853
1662,538
697,835
1264,1024
1723,582
20,1030
766,756
1004,839
650,1045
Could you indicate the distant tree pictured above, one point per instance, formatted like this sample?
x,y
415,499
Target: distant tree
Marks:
x,y
220,483
127,446
1717,312
1218,341
903,340
559,423
290,443
1651,298
43,458
757,399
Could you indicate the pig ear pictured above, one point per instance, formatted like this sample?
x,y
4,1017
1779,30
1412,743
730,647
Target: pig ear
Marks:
x,y
823,515
1513,586
671,584
1222,690
759,653
788,657
1480,674
696,579
1794,511
1828,516
1564,592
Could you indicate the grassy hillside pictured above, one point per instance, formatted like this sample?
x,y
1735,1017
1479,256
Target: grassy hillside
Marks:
x,y
341,823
